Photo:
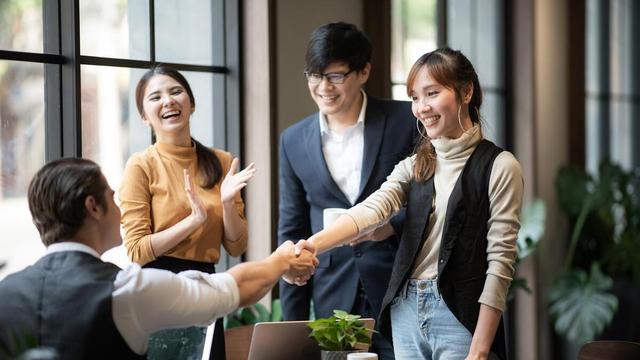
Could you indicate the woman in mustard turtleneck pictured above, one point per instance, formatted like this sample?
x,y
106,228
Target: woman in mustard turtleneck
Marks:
x,y
180,200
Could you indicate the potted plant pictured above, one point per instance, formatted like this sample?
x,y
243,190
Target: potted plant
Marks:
x,y
604,246
340,334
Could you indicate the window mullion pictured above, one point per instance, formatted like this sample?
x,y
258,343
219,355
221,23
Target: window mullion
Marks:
x,y
52,90
70,79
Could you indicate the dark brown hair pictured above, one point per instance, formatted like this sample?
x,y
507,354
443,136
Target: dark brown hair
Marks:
x,y
338,41
57,195
451,69
208,163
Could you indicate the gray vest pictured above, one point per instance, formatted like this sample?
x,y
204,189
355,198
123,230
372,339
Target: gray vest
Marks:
x,y
462,262
63,301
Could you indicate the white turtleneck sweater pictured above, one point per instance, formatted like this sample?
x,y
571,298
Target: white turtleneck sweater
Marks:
x,y
506,187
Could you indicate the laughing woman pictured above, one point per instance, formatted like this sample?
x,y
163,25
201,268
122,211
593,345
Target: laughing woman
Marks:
x,y
180,200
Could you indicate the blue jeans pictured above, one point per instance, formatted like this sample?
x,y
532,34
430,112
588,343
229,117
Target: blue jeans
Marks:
x,y
424,327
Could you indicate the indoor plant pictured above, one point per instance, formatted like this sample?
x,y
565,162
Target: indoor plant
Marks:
x,y
605,245
340,334
532,224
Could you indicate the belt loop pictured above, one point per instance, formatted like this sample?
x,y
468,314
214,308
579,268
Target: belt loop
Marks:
x,y
405,289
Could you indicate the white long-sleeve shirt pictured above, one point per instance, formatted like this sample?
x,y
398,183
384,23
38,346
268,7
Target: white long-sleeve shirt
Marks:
x,y
506,187
148,300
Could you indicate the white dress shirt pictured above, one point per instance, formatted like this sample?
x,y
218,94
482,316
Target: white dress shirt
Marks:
x,y
148,300
343,153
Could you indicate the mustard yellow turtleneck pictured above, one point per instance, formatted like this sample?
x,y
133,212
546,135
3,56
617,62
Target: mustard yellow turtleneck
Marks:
x,y
153,199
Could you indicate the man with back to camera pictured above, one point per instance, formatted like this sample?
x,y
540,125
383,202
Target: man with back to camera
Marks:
x,y
335,158
72,301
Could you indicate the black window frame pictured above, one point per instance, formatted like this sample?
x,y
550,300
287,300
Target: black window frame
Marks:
x,y
62,60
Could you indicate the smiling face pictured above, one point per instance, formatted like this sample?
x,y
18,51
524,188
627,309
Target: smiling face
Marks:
x,y
167,108
437,107
340,101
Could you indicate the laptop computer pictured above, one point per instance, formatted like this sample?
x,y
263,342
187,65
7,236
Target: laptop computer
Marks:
x,y
286,340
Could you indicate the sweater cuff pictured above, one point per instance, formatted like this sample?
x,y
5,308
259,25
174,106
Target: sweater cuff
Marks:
x,y
146,251
362,218
494,293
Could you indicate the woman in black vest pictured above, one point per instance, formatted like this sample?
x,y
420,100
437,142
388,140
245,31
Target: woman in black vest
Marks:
x,y
463,196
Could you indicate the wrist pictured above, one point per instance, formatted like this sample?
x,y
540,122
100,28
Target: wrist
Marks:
x,y
278,261
193,222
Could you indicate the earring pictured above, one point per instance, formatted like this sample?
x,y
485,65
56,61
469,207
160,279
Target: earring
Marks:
x,y
419,130
477,113
459,120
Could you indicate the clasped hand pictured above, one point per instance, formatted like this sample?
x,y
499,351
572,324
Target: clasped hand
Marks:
x,y
303,261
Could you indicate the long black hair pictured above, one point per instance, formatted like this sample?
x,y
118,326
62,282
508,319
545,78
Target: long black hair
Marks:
x,y
208,163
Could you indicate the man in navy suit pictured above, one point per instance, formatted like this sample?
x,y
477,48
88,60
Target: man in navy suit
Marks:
x,y
335,158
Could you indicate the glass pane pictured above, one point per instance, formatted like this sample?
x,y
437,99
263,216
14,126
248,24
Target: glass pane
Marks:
x,y
621,133
492,115
202,119
118,29
399,92
414,32
111,127
22,153
184,31
21,24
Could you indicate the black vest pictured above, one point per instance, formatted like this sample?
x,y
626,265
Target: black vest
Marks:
x,y
62,301
462,262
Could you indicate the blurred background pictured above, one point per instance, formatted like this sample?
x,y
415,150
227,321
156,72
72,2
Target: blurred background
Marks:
x,y
562,92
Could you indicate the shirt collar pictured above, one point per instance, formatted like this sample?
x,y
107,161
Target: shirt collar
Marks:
x,y
71,246
324,127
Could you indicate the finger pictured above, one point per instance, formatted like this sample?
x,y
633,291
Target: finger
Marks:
x,y
297,249
234,166
187,179
244,176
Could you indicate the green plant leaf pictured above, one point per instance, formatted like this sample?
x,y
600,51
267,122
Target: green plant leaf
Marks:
x,y
262,313
573,185
581,304
342,331
531,227
276,310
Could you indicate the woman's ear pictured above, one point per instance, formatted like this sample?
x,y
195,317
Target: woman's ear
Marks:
x,y
468,93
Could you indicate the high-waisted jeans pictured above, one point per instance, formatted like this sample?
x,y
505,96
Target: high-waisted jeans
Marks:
x,y
424,327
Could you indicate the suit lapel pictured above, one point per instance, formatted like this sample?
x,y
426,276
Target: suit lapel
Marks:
x,y
374,124
317,162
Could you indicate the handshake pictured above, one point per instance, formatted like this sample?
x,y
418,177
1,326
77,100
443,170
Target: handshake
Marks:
x,y
301,259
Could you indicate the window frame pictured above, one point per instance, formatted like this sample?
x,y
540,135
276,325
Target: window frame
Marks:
x,y
62,62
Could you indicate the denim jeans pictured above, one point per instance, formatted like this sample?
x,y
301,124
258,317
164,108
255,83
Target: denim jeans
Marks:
x,y
423,326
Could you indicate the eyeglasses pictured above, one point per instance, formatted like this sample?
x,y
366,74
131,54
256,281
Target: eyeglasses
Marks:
x,y
333,78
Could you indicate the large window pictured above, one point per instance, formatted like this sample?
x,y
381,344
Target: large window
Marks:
x,y
68,70
612,83
413,33
477,28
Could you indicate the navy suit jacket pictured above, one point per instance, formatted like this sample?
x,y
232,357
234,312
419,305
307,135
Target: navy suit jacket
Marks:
x,y
307,188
